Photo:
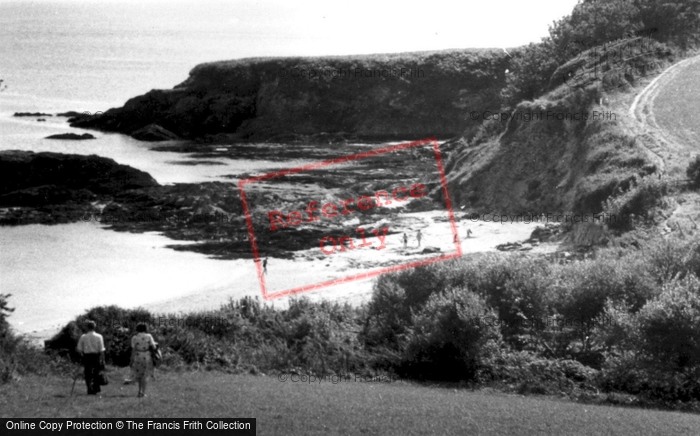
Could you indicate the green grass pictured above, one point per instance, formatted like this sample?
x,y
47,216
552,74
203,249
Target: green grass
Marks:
x,y
397,408
677,105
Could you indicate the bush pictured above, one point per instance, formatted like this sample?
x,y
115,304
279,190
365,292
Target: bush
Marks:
x,y
673,258
634,205
593,23
532,67
5,311
585,288
115,324
669,326
19,357
693,172
394,298
656,352
533,374
450,337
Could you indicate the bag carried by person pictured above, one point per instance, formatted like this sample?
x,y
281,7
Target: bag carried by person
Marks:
x,y
156,355
102,379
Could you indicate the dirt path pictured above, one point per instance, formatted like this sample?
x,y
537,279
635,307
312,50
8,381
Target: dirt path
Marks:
x,y
659,123
670,152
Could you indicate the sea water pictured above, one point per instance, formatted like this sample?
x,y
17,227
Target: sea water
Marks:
x,y
59,56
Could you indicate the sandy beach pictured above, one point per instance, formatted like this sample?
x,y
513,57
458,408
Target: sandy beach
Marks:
x,y
222,280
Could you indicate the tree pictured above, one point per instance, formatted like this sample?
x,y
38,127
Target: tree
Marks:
x,y
5,311
693,172
672,21
532,68
593,23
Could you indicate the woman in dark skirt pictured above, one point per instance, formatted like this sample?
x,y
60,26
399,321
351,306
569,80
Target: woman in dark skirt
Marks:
x,y
141,362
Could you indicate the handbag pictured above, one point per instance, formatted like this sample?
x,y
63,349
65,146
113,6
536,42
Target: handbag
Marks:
x,y
156,355
102,379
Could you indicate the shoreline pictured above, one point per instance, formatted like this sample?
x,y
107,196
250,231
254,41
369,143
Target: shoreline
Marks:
x,y
304,265
309,267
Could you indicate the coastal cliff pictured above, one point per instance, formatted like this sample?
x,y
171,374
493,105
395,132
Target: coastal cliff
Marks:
x,y
561,153
393,96
569,150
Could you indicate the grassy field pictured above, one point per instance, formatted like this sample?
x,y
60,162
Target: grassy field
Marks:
x,y
350,408
676,105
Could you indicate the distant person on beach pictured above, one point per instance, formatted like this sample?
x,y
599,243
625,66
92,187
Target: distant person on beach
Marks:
x,y
265,266
141,362
419,236
91,347
405,241
469,233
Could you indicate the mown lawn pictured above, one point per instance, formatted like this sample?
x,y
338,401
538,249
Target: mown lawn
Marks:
x,y
353,408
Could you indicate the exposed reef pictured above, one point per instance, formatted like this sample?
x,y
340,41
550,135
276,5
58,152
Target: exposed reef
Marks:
x,y
31,114
71,136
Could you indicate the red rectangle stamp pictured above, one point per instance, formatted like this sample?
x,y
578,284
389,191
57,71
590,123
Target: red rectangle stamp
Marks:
x,y
362,221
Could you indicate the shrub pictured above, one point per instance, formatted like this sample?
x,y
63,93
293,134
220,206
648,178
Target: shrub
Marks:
x,y
533,374
518,293
635,203
532,67
584,291
394,298
593,23
693,172
656,352
113,323
449,338
18,356
673,258
5,311
669,326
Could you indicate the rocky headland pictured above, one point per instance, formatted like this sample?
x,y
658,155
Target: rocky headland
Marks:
x,y
371,97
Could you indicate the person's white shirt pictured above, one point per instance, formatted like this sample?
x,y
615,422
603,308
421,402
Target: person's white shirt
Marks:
x,y
91,343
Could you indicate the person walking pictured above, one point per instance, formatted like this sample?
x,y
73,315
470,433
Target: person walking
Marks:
x,y
265,266
91,347
141,362
405,241
469,233
419,236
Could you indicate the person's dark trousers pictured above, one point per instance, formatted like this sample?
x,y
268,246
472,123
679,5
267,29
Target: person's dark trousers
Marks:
x,y
92,369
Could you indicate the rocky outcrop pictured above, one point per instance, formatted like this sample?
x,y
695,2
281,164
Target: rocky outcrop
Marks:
x,y
31,114
587,234
154,133
31,179
398,96
71,136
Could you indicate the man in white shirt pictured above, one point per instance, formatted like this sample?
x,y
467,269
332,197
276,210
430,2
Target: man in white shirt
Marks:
x,y
91,347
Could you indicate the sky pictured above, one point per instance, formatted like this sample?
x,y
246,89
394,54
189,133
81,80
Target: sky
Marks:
x,y
101,52
313,27
356,27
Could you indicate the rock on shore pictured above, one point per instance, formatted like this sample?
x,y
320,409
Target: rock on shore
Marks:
x,y
28,178
73,136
